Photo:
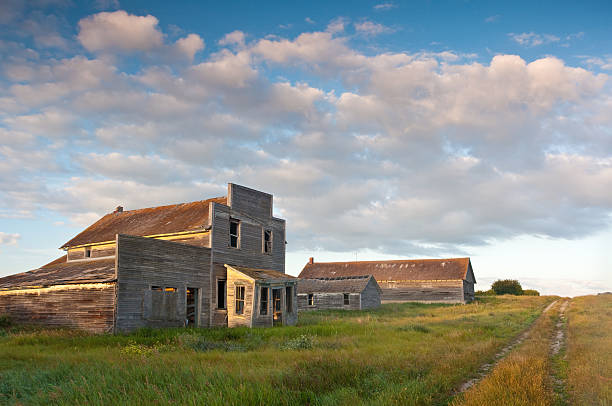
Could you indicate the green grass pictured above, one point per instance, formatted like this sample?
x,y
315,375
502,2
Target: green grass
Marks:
x,y
404,354
589,350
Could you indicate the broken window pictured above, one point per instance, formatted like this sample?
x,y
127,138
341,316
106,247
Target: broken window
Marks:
x,y
156,288
221,293
87,252
234,233
263,301
289,298
240,299
191,307
267,241
346,299
310,299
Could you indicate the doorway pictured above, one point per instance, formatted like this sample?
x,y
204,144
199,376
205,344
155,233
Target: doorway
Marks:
x,y
191,307
277,308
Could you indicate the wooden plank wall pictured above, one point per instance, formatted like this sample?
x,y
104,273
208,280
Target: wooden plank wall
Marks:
x,y
422,291
88,307
468,291
218,316
371,296
145,262
235,279
327,301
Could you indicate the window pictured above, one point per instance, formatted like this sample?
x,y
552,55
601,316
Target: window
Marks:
x,y
87,252
169,289
346,299
267,241
239,299
156,288
289,298
234,233
263,302
221,293
310,299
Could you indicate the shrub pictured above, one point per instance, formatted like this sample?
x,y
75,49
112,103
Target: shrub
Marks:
x,y
302,342
489,292
5,321
507,287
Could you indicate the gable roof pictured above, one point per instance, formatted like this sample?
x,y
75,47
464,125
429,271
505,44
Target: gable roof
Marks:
x,y
342,284
261,274
413,269
61,272
146,222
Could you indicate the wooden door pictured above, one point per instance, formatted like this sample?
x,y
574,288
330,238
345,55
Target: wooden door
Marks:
x,y
277,307
191,311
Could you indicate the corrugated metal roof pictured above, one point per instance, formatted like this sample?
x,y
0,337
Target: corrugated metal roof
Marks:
x,y
145,222
414,269
262,274
342,284
61,272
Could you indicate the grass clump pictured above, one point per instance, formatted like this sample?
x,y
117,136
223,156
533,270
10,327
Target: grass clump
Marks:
x,y
5,321
301,342
589,350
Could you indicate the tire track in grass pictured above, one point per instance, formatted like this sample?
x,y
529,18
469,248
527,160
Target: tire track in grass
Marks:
x,y
558,374
486,368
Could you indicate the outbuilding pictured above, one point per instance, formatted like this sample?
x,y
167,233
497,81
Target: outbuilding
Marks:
x,y
344,292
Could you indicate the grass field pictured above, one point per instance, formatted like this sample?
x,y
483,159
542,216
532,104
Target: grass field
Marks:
x,y
408,354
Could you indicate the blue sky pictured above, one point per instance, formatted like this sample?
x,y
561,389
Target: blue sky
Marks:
x,y
383,129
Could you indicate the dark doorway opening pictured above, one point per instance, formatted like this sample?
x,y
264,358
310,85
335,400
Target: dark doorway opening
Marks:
x,y
191,307
277,306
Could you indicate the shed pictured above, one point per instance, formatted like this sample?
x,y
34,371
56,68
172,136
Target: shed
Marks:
x,y
449,280
344,292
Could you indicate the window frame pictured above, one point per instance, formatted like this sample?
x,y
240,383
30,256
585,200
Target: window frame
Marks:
x,y
310,299
237,235
289,299
266,245
239,299
261,302
223,295
87,252
347,299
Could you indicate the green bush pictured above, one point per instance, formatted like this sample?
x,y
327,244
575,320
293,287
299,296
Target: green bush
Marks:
x,y
5,321
507,287
302,342
531,292
489,292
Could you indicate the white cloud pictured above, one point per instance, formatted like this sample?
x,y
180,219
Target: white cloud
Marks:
x,y
190,45
9,239
108,31
370,28
310,20
233,38
384,6
492,19
532,39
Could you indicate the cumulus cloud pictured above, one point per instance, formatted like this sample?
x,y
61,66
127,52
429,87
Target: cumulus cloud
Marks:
x,y
9,239
425,152
371,28
532,39
119,30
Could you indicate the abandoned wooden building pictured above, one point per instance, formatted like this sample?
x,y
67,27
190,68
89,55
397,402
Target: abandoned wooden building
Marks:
x,y
421,280
344,292
183,264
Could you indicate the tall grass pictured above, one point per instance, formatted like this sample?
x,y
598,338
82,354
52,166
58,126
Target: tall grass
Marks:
x,y
523,377
589,352
404,354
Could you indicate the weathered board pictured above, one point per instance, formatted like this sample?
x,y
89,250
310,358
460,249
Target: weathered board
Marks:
x,y
86,306
422,291
143,264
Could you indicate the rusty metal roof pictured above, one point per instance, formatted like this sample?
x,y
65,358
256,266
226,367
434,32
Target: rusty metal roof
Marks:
x,y
61,272
341,284
397,270
146,222
262,274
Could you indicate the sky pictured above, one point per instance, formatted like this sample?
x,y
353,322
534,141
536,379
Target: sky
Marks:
x,y
384,130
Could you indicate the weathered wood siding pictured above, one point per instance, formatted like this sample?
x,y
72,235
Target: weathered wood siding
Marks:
x,y
327,301
371,295
218,316
87,306
235,279
422,291
146,262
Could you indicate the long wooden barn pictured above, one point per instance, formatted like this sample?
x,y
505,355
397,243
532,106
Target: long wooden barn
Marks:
x,y
422,280
165,266
344,292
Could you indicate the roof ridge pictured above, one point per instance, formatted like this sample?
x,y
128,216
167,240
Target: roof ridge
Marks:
x,y
390,260
171,205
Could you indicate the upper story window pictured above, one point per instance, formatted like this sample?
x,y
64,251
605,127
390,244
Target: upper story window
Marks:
x,y
267,241
234,233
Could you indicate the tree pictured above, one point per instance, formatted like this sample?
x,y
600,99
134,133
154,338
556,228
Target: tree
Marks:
x,y
507,287
530,292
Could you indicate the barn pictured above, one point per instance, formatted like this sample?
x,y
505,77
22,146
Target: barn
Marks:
x,y
448,280
344,292
163,266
